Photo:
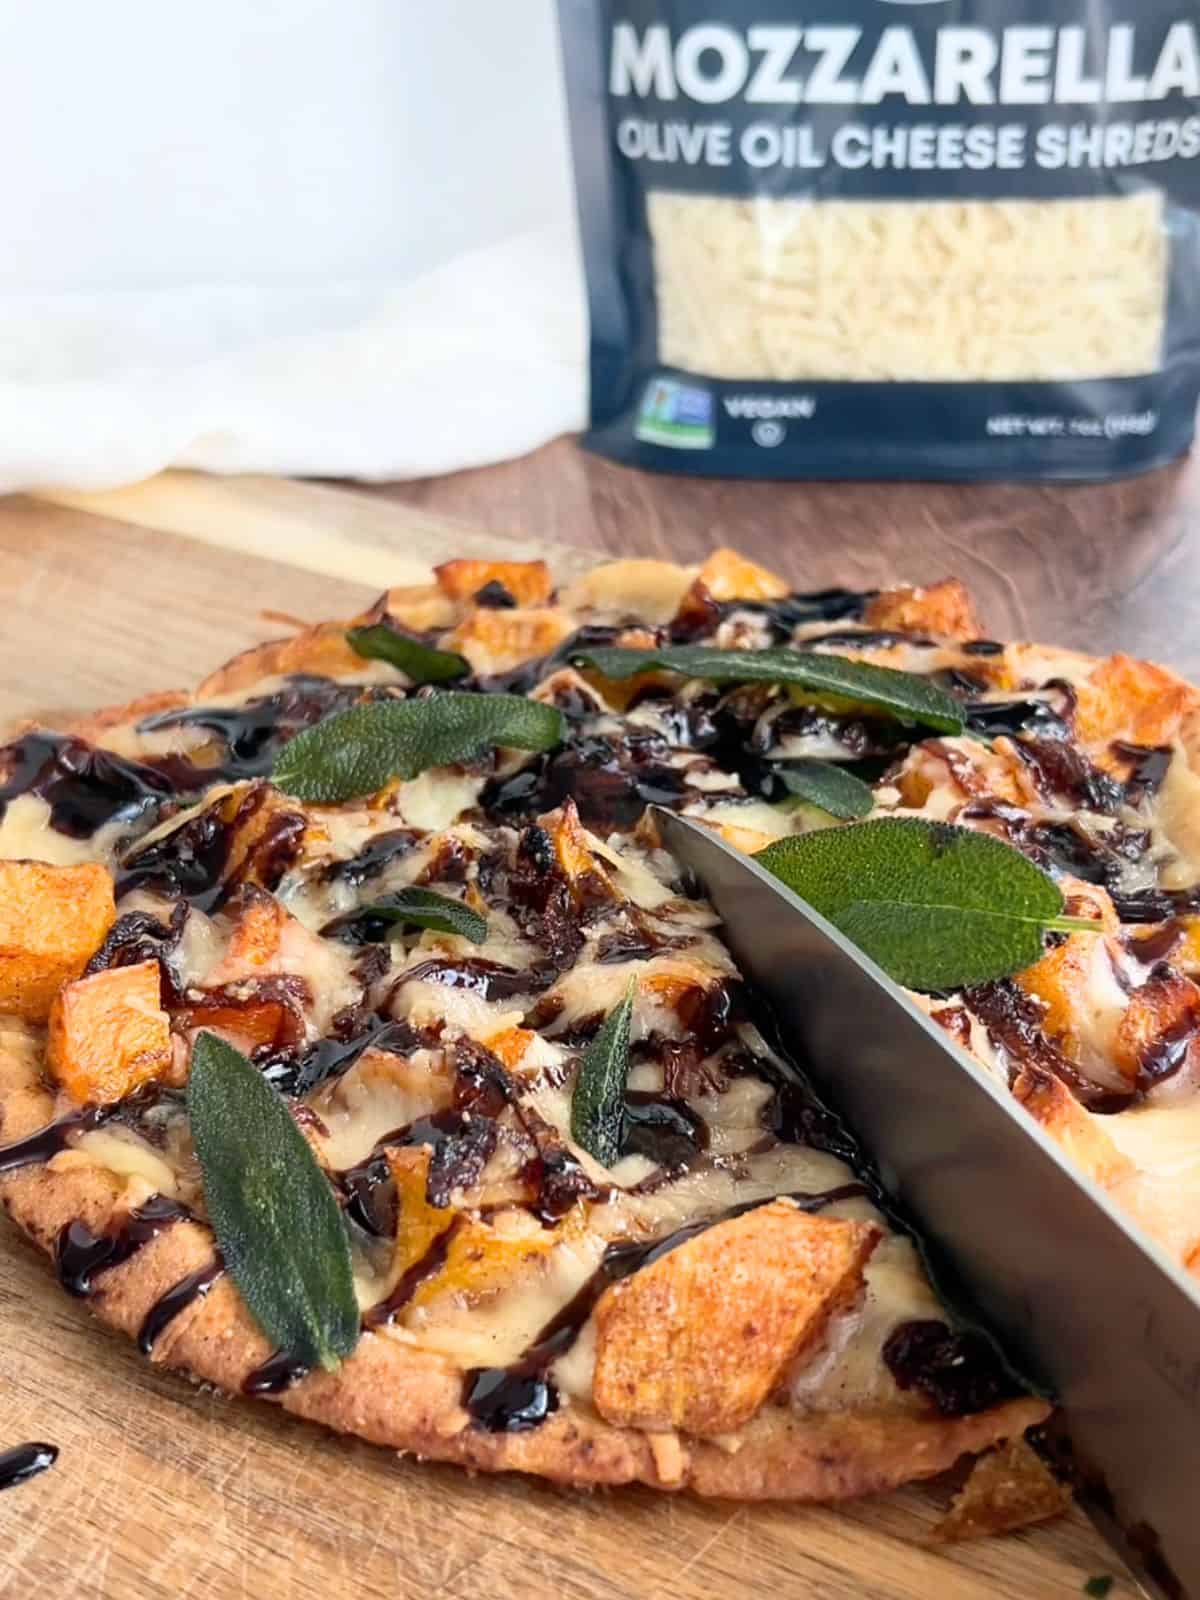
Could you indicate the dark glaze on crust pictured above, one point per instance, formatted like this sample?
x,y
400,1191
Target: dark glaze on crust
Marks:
x,y
275,1375
176,1300
81,1254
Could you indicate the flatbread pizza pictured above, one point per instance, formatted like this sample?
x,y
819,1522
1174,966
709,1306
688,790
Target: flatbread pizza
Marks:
x,y
362,1049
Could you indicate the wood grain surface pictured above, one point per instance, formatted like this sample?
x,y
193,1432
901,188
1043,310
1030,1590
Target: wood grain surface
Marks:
x,y
162,1490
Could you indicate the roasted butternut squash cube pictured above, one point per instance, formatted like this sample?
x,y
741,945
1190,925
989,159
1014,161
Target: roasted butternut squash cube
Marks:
x,y
266,833
698,1339
1078,981
109,1034
528,582
482,1262
748,840
255,945
944,608
52,920
1160,1028
586,877
729,576
418,1223
477,1260
1132,701
509,1045
246,1023
495,641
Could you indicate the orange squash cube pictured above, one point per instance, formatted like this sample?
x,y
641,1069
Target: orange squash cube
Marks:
x,y
944,609
254,948
509,1045
418,1223
495,641
109,1034
52,920
527,581
728,576
698,1339
1130,700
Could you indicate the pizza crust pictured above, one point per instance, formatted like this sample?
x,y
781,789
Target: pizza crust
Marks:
x,y
393,1394
390,1391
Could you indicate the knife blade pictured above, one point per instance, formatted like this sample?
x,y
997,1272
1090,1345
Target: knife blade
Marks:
x,y
1091,1307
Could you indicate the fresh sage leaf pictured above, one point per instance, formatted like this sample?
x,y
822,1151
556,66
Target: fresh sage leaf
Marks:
x,y
938,907
829,680
598,1103
272,1209
821,783
1099,1586
356,752
420,663
414,908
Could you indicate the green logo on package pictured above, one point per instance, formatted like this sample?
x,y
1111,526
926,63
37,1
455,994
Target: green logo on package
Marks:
x,y
677,415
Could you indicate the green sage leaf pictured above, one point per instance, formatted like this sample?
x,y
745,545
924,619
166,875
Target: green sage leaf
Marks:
x,y
272,1208
826,678
1099,1586
938,907
832,788
598,1103
420,663
356,752
409,908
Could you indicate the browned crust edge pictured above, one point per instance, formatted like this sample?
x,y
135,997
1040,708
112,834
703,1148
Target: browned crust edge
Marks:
x,y
393,1394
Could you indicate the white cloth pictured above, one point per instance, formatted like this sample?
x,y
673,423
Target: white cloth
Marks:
x,y
324,237
475,361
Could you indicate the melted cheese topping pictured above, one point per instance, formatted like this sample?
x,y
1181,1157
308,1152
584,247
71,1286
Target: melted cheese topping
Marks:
x,y
351,1117
1164,1194
1175,815
26,835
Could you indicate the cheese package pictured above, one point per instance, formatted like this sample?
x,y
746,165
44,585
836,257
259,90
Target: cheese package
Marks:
x,y
889,238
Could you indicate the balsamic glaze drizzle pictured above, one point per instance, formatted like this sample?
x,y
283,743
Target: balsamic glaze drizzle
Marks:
x,y
275,1375
176,1300
253,733
25,1461
297,1072
80,1254
84,787
434,1259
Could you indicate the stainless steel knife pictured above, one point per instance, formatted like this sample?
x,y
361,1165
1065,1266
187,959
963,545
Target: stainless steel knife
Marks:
x,y
1088,1304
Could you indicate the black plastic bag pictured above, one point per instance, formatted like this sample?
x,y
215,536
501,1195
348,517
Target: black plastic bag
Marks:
x,y
889,238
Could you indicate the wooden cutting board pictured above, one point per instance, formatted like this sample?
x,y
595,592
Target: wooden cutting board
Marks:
x,y
162,1490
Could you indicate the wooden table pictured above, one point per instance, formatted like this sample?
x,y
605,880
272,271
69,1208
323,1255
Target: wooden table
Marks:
x,y
163,1491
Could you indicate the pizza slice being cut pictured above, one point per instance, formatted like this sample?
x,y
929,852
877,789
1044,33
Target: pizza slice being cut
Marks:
x,y
598,1227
